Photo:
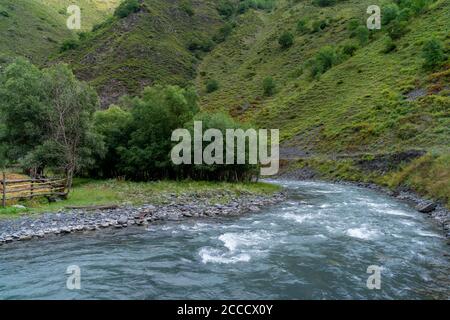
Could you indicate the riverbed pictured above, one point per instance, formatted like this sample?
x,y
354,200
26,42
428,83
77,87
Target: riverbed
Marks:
x,y
318,244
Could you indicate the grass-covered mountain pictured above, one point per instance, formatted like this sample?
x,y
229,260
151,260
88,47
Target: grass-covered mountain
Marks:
x,y
156,42
36,29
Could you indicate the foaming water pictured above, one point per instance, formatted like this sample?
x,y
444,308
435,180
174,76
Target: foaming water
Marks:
x,y
316,245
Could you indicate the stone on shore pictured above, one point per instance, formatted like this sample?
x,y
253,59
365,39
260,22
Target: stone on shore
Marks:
x,y
426,207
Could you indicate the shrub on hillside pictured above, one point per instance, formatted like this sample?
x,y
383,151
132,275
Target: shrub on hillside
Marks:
x,y
353,24
114,124
286,40
48,121
139,144
186,6
419,6
126,8
269,86
405,14
212,85
205,45
223,33
69,44
233,172
433,53
245,5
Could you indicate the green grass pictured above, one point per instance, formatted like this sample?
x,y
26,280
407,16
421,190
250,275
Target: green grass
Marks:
x,y
356,106
88,192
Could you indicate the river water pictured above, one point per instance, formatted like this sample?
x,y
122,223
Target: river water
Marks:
x,y
316,245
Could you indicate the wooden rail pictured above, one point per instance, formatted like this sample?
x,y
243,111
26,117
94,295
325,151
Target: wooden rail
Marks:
x,y
30,188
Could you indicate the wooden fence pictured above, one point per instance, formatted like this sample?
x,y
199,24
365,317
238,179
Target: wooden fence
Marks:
x,y
30,188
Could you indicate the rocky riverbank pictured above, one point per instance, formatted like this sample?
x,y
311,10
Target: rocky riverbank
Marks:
x,y
80,220
435,210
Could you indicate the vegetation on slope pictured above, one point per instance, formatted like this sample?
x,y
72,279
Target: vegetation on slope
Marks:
x,y
308,67
343,90
130,51
89,192
92,11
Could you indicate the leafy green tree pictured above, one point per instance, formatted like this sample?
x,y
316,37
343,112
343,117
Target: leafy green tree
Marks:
x,y
397,29
286,40
389,45
353,24
160,111
433,53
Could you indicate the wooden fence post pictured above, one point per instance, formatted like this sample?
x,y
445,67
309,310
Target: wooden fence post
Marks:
x,y
4,190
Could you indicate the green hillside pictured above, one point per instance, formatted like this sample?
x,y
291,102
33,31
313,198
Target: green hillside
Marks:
x,y
149,46
92,11
350,103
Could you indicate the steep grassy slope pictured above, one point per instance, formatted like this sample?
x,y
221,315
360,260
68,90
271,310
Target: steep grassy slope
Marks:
x,y
92,11
36,29
368,104
30,29
146,47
